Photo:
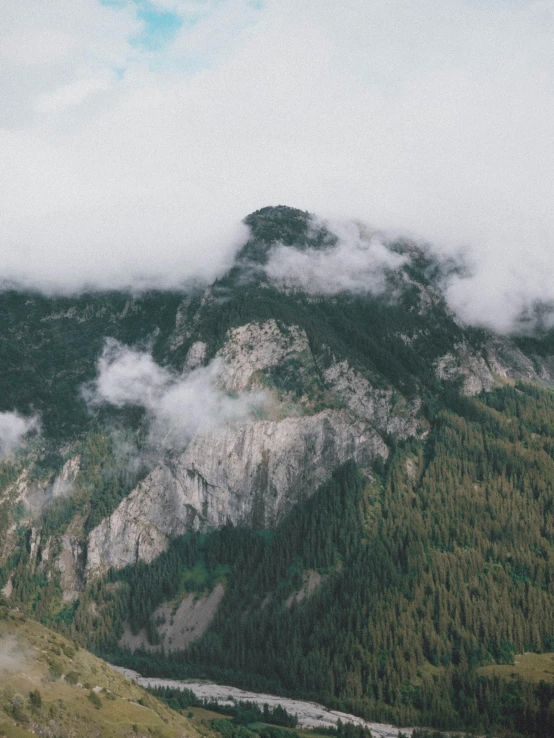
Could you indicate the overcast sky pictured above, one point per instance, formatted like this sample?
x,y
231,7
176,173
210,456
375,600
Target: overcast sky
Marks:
x,y
135,135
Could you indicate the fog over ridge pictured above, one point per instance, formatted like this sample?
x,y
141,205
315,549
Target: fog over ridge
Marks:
x,y
13,429
356,262
129,164
177,405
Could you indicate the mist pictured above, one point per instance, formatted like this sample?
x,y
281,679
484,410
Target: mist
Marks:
x,y
13,429
357,261
177,406
130,164
13,658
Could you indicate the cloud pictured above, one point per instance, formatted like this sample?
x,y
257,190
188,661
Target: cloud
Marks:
x,y
13,657
357,261
45,47
506,292
217,27
13,428
178,406
73,93
435,121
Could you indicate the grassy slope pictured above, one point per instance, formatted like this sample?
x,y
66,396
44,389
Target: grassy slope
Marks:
x,y
534,667
32,657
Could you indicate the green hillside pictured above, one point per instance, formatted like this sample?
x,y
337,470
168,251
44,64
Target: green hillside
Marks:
x,y
442,565
50,686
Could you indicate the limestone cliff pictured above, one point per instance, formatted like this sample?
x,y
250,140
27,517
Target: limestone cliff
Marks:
x,y
248,473
252,472
499,359
343,376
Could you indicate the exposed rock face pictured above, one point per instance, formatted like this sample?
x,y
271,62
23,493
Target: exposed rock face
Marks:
x,y
470,367
508,361
253,347
63,484
29,495
499,357
389,412
196,356
178,628
249,473
7,589
252,472
70,566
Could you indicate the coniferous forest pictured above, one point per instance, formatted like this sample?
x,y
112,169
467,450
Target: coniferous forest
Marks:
x,y
436,565
276,369
404,592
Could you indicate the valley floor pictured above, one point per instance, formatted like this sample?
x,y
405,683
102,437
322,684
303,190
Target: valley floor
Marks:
x,y
310,714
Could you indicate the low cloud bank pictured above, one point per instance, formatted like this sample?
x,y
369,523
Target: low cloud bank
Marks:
x,y
355,261
131,165
480,289
13,658
178,406
504,294
13,428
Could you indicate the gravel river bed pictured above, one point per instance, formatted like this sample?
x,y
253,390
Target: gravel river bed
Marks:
x,y
310,714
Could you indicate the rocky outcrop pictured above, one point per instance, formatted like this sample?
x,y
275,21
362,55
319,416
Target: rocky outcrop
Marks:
x,y
196,356
386,410
247,473
7,589
508,361
500,358
256,347
468,366
70,566
23,498
63,484
180,626
252,472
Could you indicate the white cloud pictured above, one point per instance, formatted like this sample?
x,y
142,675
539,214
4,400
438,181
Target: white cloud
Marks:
x,y
357,262
218,26
14,657
189,8
73,93
178,406
46,46
432,119
13,428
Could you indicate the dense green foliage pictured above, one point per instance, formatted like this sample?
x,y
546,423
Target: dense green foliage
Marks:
x,y
438,565
441,565
49,347
107,472
242,713
230,729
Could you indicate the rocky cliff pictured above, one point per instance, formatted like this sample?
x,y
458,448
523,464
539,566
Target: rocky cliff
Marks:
x,y
337,376
253,471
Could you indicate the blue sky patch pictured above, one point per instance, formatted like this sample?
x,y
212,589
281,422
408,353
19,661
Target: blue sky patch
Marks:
x,y
159,29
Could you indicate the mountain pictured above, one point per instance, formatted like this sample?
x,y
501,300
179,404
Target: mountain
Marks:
x,y
298,478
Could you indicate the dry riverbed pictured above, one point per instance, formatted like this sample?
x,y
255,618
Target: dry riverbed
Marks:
x,y
310,714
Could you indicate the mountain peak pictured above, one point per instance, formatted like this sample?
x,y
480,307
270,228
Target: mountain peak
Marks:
x,y
284,225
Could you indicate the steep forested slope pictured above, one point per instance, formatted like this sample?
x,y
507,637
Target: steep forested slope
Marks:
x,y
424,555
439,566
